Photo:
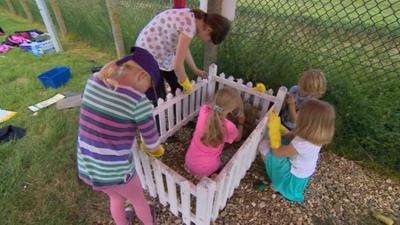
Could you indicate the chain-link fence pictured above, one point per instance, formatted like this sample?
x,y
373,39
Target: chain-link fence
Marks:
x,y
356,43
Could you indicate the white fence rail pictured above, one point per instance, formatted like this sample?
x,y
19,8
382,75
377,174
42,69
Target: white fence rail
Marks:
x,y
209,195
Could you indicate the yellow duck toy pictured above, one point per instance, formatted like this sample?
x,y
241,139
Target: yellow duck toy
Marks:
x,y
260,87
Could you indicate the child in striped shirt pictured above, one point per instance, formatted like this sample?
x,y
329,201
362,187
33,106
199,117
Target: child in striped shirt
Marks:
x,y
113,107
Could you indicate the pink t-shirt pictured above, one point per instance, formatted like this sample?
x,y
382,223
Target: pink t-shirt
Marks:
x,y
204,160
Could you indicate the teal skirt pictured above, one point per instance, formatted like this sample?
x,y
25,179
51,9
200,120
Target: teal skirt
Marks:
x,y
284,182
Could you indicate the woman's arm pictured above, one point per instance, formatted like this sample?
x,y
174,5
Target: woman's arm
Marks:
x,y
189,60
182,50
284,151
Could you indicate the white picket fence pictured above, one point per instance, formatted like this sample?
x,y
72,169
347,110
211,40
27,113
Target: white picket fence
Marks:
x,y
201,203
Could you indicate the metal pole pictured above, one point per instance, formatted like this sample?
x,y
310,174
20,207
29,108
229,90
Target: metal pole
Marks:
x,y
44,12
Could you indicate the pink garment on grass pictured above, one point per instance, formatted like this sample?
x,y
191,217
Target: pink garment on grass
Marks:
x,y
134,193
17,39
202,160
4,48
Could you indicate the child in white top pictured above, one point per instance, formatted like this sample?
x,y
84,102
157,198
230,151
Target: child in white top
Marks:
x,y
290,166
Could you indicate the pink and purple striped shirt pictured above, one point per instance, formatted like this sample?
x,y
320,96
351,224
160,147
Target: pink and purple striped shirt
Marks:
x,y
108,123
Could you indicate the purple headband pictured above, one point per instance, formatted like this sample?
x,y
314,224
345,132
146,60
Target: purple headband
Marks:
x,y
145,60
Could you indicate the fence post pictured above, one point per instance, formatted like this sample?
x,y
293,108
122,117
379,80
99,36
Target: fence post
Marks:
x,y
281,95
205,191
212,73
116,27
211,50
59,17
44,12
11,7
27,10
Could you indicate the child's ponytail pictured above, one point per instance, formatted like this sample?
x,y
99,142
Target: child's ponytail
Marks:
x,y
108,72
225,99
214,135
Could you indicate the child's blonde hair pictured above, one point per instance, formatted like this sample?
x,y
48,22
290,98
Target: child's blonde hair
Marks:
x,y
316,122
312,83
225,99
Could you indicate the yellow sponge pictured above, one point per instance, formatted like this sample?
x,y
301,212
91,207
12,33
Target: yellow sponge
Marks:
x,y
274,126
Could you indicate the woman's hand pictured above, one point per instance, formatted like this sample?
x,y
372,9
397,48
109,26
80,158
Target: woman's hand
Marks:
x,y
187,86
200,73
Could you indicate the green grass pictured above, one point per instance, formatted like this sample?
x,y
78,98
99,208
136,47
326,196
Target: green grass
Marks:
x,y
38,176
39,184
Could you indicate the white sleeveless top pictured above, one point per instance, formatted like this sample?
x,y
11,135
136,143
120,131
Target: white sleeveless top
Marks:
x,y
304,163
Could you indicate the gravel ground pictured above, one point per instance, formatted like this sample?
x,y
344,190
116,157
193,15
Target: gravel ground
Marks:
x,y
340,192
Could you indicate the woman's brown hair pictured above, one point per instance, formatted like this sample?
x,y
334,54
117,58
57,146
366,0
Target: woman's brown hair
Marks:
x,y
220,25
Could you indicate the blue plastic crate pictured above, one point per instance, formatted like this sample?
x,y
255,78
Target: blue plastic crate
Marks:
x,y
55,77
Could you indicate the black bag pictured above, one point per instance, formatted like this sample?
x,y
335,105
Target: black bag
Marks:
x,y
11,132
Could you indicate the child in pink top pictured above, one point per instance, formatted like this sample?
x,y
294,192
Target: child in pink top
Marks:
x,y
212,131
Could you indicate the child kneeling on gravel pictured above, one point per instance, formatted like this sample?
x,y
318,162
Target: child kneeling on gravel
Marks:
x,y
212,131
290,166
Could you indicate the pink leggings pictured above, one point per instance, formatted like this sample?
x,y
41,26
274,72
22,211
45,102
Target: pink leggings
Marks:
x,y
134,193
